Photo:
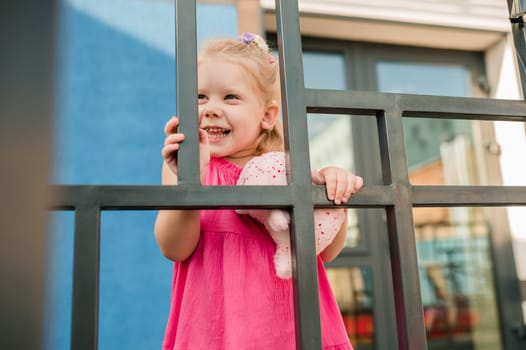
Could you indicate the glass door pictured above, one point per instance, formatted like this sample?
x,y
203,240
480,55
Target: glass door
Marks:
x,y
453,244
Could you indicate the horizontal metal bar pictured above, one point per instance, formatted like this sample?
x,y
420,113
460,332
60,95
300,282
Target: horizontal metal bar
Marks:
x,y
151,197
448,196
368,197
177,197
418,106
127,197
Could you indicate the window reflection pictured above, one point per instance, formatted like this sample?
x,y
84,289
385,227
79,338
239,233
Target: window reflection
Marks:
x,y
453,245
352,289
330,136
456,280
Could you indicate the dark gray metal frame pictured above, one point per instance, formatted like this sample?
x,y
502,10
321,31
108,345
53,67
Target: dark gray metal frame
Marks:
x,y
517,9
396,195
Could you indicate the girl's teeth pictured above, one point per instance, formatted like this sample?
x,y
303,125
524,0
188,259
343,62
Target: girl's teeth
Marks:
x,y
217,133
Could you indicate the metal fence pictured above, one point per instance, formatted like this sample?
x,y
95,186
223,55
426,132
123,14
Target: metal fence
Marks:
x,y
397,196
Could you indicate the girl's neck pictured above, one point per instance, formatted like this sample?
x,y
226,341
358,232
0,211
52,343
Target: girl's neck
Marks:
x,y
241,161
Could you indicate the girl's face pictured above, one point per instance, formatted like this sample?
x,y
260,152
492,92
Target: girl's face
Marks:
x,y
231,109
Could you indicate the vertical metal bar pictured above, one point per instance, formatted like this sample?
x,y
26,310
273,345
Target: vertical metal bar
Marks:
x,y
292,90
27,60
305,283
306,299
404,263
186,90
85,311
368,164
517,9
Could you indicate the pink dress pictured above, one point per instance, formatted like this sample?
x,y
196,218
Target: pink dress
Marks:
x,y
227,295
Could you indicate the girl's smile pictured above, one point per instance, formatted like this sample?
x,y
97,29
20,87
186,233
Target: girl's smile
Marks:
x,y
216,134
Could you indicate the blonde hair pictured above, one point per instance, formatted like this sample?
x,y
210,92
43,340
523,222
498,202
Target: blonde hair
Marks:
x,y
258,61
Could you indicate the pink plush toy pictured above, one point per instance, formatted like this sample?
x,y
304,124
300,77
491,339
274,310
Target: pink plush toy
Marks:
x,y
269,169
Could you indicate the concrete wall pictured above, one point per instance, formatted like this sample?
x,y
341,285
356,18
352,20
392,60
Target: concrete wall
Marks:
x,y
484,15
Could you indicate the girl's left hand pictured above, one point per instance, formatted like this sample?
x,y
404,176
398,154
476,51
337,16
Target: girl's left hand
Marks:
x,y
340,183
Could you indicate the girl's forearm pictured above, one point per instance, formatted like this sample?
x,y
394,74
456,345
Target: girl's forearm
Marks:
x,y
177,233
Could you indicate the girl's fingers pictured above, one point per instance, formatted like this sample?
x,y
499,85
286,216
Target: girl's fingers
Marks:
x,y
348,188
203,137
354,184
328,177
171,126
204,148
358,183
341,184
316,178
174,138
168,151
204,153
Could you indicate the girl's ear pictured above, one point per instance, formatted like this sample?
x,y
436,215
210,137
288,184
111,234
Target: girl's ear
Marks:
x,y
271,116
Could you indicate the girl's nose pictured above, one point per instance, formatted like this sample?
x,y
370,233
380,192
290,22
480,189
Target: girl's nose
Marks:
x,y
211,112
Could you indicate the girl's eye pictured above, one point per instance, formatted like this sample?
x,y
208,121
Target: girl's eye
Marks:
x,y
231,97
201,97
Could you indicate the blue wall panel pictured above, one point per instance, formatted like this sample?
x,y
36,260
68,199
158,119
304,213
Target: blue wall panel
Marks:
x,y
117,89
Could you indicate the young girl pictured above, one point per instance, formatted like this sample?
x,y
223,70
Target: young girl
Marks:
x,y
226,294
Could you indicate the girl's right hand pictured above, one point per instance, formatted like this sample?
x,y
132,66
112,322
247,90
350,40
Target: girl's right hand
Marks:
x,y
172,143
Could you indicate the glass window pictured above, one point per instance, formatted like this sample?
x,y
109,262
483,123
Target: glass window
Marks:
x,y
455,265
330,141
353,292
428,140
423,78
453,244
332,76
